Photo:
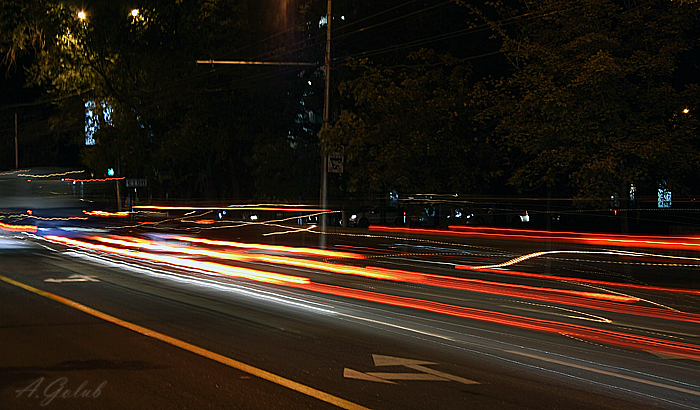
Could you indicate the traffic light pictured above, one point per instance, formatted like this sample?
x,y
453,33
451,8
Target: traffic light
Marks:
x,y
110,172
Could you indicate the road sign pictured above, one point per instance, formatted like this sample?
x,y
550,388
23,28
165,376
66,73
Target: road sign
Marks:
x,y
424,373
335,162
136,182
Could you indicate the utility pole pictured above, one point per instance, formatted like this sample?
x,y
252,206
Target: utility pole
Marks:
x,y
16,152
326,111
326,117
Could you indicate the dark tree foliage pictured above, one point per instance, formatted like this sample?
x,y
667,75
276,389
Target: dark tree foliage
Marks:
x,y
194,131
411,129
593,102
565,98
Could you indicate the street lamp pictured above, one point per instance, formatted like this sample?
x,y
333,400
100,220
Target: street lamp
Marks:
x,y
81,15
135,13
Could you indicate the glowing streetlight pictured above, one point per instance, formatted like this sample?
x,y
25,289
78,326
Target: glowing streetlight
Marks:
x,y
135,13
81,15
686,111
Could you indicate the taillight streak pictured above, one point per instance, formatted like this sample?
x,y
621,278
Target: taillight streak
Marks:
x,y
609,337
592,300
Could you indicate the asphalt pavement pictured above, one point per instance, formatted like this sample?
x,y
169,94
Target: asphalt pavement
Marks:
x,y
84,328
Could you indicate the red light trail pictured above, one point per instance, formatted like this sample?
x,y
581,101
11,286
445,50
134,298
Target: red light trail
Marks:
x,y
94,179
638,241
591,300
609,337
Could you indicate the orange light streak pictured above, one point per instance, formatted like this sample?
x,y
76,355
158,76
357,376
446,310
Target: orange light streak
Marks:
x,y
227,270
18,228
205,222
592,300
271,248
106,214
637,241
548,326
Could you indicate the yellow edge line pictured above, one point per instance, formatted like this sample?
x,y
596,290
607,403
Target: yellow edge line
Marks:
x,y
290,384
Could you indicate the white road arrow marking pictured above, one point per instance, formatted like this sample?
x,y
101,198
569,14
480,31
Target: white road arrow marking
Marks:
x,y
384,377
354,374
73,278
380,360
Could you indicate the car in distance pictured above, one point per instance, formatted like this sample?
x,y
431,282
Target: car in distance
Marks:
x,y
375,215
496,214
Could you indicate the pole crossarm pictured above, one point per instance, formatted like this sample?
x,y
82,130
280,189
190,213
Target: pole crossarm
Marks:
x,y
234,62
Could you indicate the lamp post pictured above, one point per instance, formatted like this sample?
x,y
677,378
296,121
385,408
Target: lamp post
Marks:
x,y
326,116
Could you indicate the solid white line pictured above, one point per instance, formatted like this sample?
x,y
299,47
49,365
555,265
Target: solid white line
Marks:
x,y
607,373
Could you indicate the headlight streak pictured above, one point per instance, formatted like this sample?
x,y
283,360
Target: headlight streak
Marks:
x,y
269,248
288,231
42,218
595,335
585,316
407,238
230,223
607,252
242,289
275,223
14,172
60,174
227,270
393,325
106,214
580,280
591,300
137,213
